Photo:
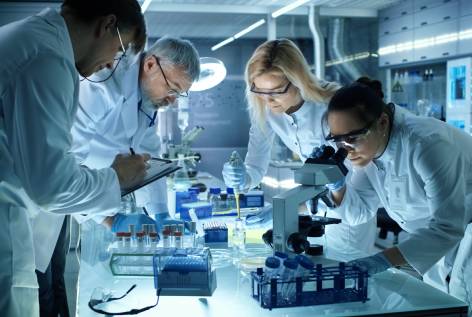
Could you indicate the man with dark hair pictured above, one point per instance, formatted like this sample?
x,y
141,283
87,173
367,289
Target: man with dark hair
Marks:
x,y
42,57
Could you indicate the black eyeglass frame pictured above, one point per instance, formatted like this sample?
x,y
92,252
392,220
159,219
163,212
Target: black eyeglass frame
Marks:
x,y
270,93
171,92
353,134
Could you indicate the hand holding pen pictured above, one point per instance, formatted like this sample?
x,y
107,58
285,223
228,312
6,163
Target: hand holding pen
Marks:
x,y
130,169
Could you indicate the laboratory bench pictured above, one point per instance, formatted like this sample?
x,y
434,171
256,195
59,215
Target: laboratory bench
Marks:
x,y
391,293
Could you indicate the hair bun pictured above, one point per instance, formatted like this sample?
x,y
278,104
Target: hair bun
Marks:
x,y
373,84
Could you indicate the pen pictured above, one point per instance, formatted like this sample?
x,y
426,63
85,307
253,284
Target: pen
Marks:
x,y
132,151
145,211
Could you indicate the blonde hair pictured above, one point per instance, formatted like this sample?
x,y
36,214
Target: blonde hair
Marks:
x,y
285,57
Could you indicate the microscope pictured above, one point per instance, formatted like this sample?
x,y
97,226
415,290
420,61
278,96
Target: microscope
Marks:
x,y
173,150
290,231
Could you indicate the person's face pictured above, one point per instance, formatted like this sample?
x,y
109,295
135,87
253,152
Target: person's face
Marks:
x,y
109,43
277,92
163,83
363,140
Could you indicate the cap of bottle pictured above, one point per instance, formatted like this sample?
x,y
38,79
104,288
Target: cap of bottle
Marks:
x,y
272,262
215,190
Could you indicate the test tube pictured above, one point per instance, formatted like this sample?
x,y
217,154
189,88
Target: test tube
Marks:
x,y
140,240
178,242
132,231
154,238
166,238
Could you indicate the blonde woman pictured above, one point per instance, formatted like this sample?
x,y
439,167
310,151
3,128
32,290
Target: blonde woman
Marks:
x,y
286,99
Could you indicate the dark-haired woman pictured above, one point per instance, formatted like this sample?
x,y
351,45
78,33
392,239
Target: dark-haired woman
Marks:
x,y
419,170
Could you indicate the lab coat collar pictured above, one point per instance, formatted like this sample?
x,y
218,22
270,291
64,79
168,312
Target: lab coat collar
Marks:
x,y
303,111
54,18
398,120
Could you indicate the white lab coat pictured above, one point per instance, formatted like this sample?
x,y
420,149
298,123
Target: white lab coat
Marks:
x,y
38,100
301,132
108,122
424,181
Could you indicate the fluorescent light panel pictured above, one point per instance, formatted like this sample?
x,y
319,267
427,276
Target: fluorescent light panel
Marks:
x,y
288,8
249,28
222,43
145,5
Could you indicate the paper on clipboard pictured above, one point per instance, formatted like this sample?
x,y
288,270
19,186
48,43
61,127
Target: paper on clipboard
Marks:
x,y
158,168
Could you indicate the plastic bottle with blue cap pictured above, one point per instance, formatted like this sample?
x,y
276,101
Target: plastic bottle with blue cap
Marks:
x,y
287,274
272,267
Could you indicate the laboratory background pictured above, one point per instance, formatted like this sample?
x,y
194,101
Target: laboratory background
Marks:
x,y
272,248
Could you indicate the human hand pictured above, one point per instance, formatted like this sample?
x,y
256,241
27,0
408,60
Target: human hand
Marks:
x,y
130,169
121,222
372,264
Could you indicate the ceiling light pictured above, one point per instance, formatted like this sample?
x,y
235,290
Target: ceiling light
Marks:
x,y
222,43
249,28
212,72
288,8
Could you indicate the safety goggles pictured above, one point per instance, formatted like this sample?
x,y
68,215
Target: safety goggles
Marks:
x,y
101,296
271,93
353,139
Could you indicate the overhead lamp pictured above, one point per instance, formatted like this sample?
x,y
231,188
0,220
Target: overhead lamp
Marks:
x,y
145,5
288,8
249,28
239,34
222,43
212,72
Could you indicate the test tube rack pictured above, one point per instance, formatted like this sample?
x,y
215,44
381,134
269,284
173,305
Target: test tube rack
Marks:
x,y
324,285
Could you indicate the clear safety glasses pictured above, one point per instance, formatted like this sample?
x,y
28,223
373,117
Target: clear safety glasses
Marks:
x,y
352,140
270,93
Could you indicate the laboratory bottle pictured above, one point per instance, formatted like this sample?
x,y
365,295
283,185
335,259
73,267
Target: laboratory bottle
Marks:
x,y
181,180
178,240
287,274
305,267
271,269
214,198
230,198
166,238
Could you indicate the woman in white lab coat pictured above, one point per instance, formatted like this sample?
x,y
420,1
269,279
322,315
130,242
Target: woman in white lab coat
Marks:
x,y
418,169
287,100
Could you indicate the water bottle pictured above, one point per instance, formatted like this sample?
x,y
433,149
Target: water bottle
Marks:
x,y
272,266
214,198
181,180
230,198
287,275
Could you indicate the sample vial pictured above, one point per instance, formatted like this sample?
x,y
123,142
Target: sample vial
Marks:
x,y
166,238
153,239
178,241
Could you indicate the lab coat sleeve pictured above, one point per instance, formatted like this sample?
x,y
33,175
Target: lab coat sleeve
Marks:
x,y
43,96
154,195
360,202
258,152
442,170
92,110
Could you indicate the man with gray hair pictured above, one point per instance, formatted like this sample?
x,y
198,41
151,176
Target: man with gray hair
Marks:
x,y
121,113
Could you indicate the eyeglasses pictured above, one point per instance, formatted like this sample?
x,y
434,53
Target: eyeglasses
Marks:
x,y
171,92
353,139
270,93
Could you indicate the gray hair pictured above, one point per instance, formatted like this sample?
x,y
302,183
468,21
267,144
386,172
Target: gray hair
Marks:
x,y
177,52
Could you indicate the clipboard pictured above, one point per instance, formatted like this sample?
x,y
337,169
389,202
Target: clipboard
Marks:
x,y
158,169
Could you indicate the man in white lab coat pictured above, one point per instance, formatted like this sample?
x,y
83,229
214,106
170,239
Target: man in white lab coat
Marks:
x,y
41,59
121,113
114,116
